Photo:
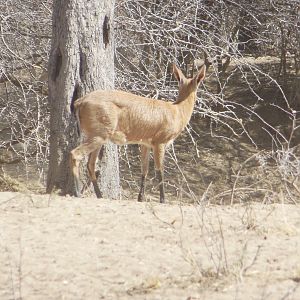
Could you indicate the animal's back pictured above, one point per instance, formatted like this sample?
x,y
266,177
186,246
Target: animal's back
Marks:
x,y
119,98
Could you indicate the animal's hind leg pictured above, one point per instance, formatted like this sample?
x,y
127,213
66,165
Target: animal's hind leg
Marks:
x,y
91,169
75,159
76,156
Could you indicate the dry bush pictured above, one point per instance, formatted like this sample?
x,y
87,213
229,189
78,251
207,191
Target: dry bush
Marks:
x,y
24,42
246,123
243,139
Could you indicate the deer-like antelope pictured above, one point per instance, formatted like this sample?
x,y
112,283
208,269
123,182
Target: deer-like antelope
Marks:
x,y
125,118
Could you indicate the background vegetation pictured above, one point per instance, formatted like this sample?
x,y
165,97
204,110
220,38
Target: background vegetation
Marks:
x,y
243,140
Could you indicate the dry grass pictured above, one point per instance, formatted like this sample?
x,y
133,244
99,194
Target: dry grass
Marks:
x,y
90,249
7,183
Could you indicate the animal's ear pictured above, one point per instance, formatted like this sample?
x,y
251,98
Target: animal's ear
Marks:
x,y
201,74
178,74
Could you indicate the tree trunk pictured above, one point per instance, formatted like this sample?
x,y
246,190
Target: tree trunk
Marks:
x,y
81,60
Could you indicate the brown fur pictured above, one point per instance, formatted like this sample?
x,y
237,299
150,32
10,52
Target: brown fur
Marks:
x,y
125,118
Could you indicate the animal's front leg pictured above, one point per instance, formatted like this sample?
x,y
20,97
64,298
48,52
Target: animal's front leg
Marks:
x,y
145,152
159,154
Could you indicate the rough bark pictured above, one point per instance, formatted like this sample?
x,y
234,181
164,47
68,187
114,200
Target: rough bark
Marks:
x,y
81,60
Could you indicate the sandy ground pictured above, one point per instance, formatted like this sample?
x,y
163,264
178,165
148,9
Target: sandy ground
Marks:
x,y
66,248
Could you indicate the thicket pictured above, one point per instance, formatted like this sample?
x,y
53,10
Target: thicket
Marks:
x,y
250,99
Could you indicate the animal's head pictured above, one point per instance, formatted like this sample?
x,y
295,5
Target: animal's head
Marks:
x,y
188,85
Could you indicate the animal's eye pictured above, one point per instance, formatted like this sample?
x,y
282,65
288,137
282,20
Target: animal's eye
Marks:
x,y
181,81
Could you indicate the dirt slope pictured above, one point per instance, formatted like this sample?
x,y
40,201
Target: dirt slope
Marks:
x,y
67,248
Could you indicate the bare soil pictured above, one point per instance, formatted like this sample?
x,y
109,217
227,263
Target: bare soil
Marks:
x,y
54,247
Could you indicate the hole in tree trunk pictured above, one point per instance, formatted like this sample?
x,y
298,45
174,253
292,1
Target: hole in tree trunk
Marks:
x,y
75,96
57,63
106,31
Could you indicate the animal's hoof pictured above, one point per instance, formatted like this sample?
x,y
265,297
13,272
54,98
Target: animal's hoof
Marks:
x,y
97,190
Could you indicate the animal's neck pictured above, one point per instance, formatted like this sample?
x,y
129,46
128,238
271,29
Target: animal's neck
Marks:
x,y
185,107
